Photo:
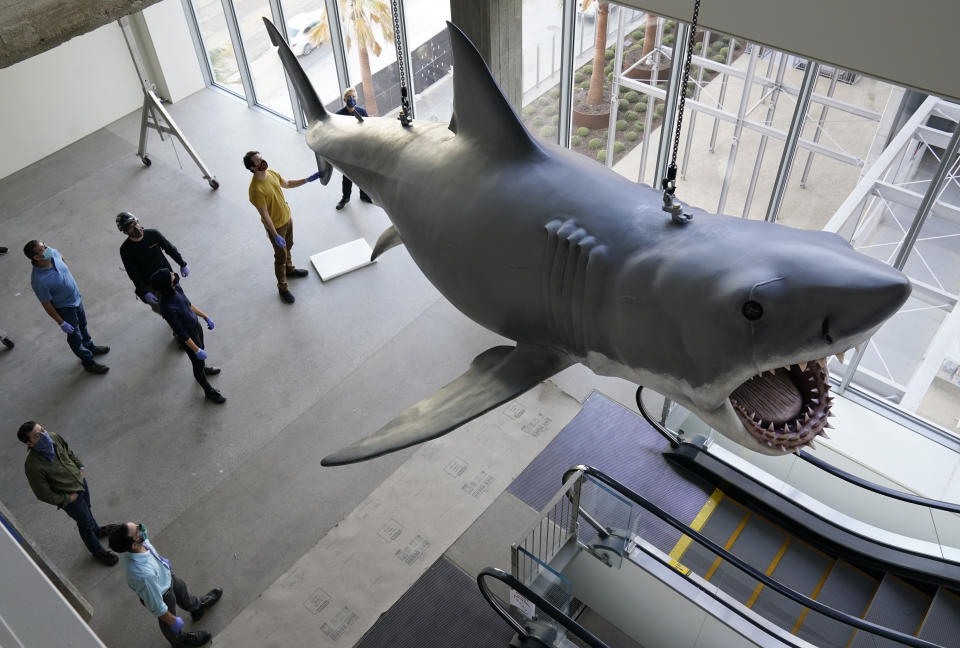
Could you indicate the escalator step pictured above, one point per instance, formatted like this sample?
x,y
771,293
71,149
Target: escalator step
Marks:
x,y
758,544
846,589
720,526
942,623
896,605
801,568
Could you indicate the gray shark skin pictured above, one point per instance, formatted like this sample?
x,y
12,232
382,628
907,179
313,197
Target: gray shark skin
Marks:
x,y
731,318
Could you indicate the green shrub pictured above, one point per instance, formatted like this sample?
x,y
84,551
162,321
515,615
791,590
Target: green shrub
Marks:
x,y
622,124
544,101
669,39
631,136
604,133
716,45
724,51
548,131
555,120
550,110
585,84
609,54
624,104
669,25
608,69
691,87
631,115
618,147
596,143
698,47
637,35
719,58
639,126
635,47
529,109
726,40
538,121
601,156
583,131
578,77
633,96
555,93
658,111
575,140
587,70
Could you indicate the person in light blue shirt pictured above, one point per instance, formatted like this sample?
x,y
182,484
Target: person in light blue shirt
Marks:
x,y
150,575
55,287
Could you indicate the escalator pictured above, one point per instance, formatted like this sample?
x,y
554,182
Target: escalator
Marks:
x,y
759,564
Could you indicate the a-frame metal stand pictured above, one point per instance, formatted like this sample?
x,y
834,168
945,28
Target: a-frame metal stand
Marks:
x,y
150,117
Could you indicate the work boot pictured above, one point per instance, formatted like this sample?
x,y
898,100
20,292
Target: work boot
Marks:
x,y
99,350
297,273
7,342
343,201
287,296
198,638
106,557
207,600
365,198
96,368
215,396
211,371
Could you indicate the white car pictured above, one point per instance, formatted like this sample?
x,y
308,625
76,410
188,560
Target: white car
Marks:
x,y
300,30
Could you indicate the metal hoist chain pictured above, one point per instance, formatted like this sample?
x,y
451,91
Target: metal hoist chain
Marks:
x,y
669,184
404,115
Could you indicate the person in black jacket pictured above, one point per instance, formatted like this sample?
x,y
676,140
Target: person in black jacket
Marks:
x,y
181,315
143,254
351,108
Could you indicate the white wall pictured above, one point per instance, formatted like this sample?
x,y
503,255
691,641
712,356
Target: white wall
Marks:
x,y
175,52
63,94
34,613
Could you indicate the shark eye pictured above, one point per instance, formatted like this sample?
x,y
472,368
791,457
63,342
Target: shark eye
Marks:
x,y
752,310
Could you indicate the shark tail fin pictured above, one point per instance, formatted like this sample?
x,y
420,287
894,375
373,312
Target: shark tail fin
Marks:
x,y
480,108
308,96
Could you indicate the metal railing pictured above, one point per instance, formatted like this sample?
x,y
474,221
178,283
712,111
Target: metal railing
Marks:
x,y
548,535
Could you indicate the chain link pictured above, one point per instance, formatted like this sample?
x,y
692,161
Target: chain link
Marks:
x,y
686,79
404,115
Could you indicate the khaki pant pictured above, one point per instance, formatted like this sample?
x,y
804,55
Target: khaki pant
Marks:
x,y
281,255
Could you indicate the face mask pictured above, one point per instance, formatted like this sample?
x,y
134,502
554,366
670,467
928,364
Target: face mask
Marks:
x,y
263,165
48,253
137,233
44,445
351,102
141,532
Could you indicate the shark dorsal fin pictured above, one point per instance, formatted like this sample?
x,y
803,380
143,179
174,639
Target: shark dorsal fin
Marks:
x,y
480,109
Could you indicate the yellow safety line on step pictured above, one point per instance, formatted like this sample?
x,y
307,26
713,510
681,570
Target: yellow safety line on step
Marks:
x,y
705,512
733,538
769,571
814,595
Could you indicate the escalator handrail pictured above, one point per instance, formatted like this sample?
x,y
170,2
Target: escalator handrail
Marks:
x,y
802,599
877,488
541,603
823,465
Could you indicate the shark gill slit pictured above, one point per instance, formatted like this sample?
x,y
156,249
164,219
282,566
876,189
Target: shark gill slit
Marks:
x,y
566,259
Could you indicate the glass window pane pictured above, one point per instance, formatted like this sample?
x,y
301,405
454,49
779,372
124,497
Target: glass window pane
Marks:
x,y
216,42
431,59
308,34
540,78
269,81
367,27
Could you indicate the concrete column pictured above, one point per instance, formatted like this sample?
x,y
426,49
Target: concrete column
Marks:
x,y
494,26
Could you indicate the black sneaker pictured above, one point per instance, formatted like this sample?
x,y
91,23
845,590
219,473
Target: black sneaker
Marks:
x,y
365,198
343,201
7,342
198,638
287,296
207,600
96,368
99,350
107,558
3,250
215,396
297,273
211,371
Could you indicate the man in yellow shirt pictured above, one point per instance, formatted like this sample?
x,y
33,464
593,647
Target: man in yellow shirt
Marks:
x,y
266,194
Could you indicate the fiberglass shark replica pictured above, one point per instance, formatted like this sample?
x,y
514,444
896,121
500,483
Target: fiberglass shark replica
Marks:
x,y
731,318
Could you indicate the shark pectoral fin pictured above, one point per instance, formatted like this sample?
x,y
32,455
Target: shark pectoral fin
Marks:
x,y
390,238
494,377
325,169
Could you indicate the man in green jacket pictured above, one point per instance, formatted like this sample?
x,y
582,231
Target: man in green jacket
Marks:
x,y
57,477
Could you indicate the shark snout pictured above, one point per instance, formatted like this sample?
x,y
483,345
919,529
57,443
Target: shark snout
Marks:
x,y
868,293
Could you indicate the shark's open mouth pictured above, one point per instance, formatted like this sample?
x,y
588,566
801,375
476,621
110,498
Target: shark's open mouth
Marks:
x,y
786,407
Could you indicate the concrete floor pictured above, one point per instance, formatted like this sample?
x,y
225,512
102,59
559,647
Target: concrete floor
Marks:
x,y
232,494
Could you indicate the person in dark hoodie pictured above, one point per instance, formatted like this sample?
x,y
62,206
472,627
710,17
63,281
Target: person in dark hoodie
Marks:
x,y
143,254
182,316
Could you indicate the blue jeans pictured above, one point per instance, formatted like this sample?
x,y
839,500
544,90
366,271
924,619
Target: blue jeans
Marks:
x,y
79,510
79,341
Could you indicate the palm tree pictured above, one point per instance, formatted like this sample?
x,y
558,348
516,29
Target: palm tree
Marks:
x,y
649,35
597,77
360,18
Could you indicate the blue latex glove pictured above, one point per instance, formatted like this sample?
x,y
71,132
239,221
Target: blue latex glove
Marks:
x,y
209,323
315,176
177,626
66,327
279,241
150,298
201,354
184,270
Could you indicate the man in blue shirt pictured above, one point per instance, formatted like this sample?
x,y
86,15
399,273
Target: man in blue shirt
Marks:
x,y
351,108
150,575
57,291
